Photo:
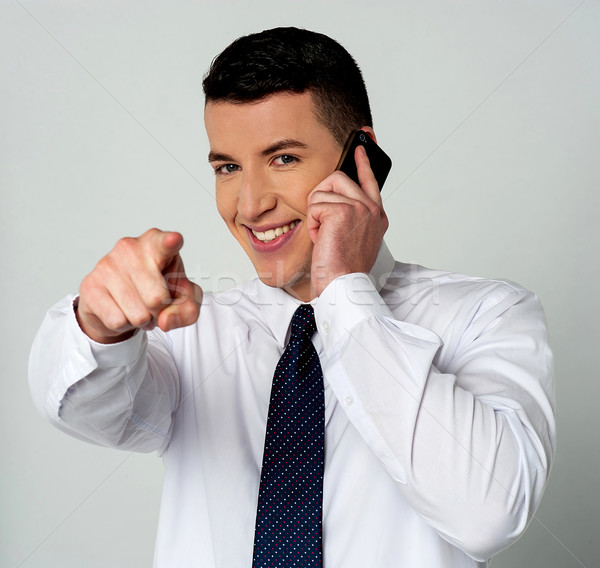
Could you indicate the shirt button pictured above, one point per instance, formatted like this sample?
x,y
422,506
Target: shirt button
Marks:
x,y
349,401
325,326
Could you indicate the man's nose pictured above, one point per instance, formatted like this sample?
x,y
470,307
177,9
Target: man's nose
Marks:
x,y
256,194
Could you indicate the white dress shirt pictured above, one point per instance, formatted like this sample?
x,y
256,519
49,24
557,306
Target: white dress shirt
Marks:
x,y
439,414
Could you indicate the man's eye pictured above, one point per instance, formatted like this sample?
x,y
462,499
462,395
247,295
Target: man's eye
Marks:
x,y
286,159
226,169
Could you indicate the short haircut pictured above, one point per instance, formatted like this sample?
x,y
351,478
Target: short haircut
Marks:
x,y
294,60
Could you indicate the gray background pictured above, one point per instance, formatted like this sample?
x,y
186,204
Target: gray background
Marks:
x,y
490,111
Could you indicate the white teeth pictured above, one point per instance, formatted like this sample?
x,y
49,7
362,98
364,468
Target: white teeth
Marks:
x,y
273,233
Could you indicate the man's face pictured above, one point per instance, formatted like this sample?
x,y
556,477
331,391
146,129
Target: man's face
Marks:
x,y
268,156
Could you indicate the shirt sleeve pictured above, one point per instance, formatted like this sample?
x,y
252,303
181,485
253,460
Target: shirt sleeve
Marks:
x,y
121,395
469,445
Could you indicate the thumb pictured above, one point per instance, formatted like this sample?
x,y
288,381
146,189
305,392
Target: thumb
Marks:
x,y
185,308
186,298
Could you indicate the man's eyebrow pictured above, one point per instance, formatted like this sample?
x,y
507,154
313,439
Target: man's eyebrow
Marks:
x,y
284,144
218,157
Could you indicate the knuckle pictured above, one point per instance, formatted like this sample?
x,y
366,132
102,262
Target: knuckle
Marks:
x,y
140,319
385,222
90,293
373,209
150,236
189,312
362,209
126,242
101,266
346,210
156,300
115,321
125,246
87,286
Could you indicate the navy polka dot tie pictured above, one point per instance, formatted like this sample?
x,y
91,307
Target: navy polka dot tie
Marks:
x,y
288,520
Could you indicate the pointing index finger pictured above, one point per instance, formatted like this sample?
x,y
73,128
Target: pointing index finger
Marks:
x,y
164,245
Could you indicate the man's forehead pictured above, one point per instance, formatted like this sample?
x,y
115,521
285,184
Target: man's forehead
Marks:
x,y
283,107
280,117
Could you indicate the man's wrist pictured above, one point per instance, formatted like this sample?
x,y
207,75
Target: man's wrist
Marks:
x,y
94,334
345,302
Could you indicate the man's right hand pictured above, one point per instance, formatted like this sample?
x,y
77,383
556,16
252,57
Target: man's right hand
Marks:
x,y
139,284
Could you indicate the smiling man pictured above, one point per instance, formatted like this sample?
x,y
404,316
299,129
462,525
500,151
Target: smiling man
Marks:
x,y
410,423
270,158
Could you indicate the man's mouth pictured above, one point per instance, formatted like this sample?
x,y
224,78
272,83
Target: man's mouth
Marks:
x,y
272,234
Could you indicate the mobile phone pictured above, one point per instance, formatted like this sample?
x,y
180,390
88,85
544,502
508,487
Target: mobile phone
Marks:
x,y
381,163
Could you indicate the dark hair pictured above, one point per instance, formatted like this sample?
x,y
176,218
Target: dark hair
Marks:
x,y
291,59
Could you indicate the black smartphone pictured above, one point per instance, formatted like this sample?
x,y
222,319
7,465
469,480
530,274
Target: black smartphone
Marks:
x,y
381,163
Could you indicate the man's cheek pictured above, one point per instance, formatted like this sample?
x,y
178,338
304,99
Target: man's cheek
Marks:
x,y
226,210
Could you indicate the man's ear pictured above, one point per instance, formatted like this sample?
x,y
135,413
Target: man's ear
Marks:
x,y
370,132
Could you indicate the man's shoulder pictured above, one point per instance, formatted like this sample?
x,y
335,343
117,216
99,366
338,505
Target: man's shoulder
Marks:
x,y
416,277
438,296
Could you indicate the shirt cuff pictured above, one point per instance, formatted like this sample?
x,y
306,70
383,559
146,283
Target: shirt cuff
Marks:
x,y
347,301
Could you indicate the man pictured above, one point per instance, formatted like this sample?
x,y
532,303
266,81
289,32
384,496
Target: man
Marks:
x,y
438,404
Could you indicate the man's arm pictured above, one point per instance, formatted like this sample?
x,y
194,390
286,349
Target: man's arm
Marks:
x,y
119,395
470,445
93,370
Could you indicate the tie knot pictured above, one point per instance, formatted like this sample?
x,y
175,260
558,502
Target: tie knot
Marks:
x,y
303,322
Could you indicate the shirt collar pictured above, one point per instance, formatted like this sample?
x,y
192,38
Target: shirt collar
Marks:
x,y
278,306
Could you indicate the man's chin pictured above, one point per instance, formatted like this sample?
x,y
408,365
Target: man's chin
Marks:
x,y
297,285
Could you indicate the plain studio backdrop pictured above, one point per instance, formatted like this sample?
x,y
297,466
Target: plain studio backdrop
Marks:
x,y
490,112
